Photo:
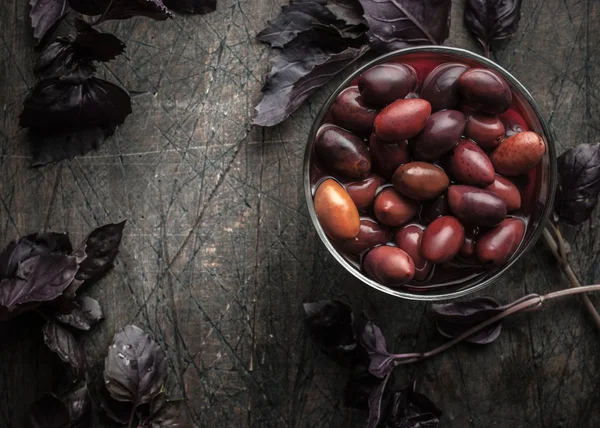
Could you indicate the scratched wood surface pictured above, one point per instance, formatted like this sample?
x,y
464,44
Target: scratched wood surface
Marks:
x,y
219,252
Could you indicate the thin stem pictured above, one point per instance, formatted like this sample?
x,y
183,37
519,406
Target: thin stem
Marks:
x,y
525,303
558,249
130,424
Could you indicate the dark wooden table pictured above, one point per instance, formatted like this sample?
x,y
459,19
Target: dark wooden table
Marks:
x,y
219,251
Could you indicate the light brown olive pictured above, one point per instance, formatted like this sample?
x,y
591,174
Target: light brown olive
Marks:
x,y
420,180
389,265
336,211
518,153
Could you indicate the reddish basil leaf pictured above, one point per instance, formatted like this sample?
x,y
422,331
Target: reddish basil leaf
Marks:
x,y
39,279
50,412
164,414
492,20
330,325
135,368
579,183
86,313
123,9
349,11
307,62
29,246
55,59
410,409
64,345
75,103
192,6
45,14
397,24
101,248
375,399
79,404
118,411
373,341
94,45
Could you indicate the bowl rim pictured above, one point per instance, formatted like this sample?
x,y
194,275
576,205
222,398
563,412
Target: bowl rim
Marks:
x,y
517,86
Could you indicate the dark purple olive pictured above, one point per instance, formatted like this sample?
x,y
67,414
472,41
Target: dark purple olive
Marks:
x,y
363,192
420,180
435,209
486,130
468,164
350,112
394,209
371,234
441,133
408,238
498,245
475,206
402,119
344,153
387,157
389,265
440,87
484,90
442,239
507,190
386,83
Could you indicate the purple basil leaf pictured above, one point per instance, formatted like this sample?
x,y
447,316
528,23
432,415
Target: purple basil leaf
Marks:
x,y
45,14
74,103
375,399
55,59
483,337
410,409
373,341
123,9
165,414
397,24
49,412
350,11
294,19
192,6
62,342
86,313
89,7
330,325
39,279
29,246
306,63
359,386
492,20
579,183
48,147
94,45
79,404
100,247
118,411
135,368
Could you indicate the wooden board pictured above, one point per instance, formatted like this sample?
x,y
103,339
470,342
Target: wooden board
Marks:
x,y
219,251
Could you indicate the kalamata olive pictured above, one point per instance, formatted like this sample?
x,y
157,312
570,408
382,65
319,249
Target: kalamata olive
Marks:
x,y
442,239
497,246
468,164
442,131
420,180
386,83
387,157
394,209
389,265
343,152
435,209
408,238
350,112
402,119
485,129
475,206
518,153
484,90
336,212
370,235
507,190
468,247
440,87
363,192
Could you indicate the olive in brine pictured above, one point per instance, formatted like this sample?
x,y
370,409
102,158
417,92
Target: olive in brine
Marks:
x,y
498,245
350,112
402,119
442,239
470,165
440,87
507,190
484,90
337,213
343,152
386,83
409,239
394,209
441,133
363,192
420,180
435,209
485,129
475,206
387,157
371,234
390,266
519,153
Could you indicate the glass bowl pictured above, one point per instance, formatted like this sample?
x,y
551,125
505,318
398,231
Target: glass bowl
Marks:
x,y
542,196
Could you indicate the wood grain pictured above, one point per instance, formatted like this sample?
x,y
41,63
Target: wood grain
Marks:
x,y
219,252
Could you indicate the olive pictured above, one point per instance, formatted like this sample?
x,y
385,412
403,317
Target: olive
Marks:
x,y
337,213
387,157
420,180
383,84
440,87
485,129
441,133
484,90
442,239
371,234
498,245
394,209
344,153
475,206
350,112
468,164
402,119
388,265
